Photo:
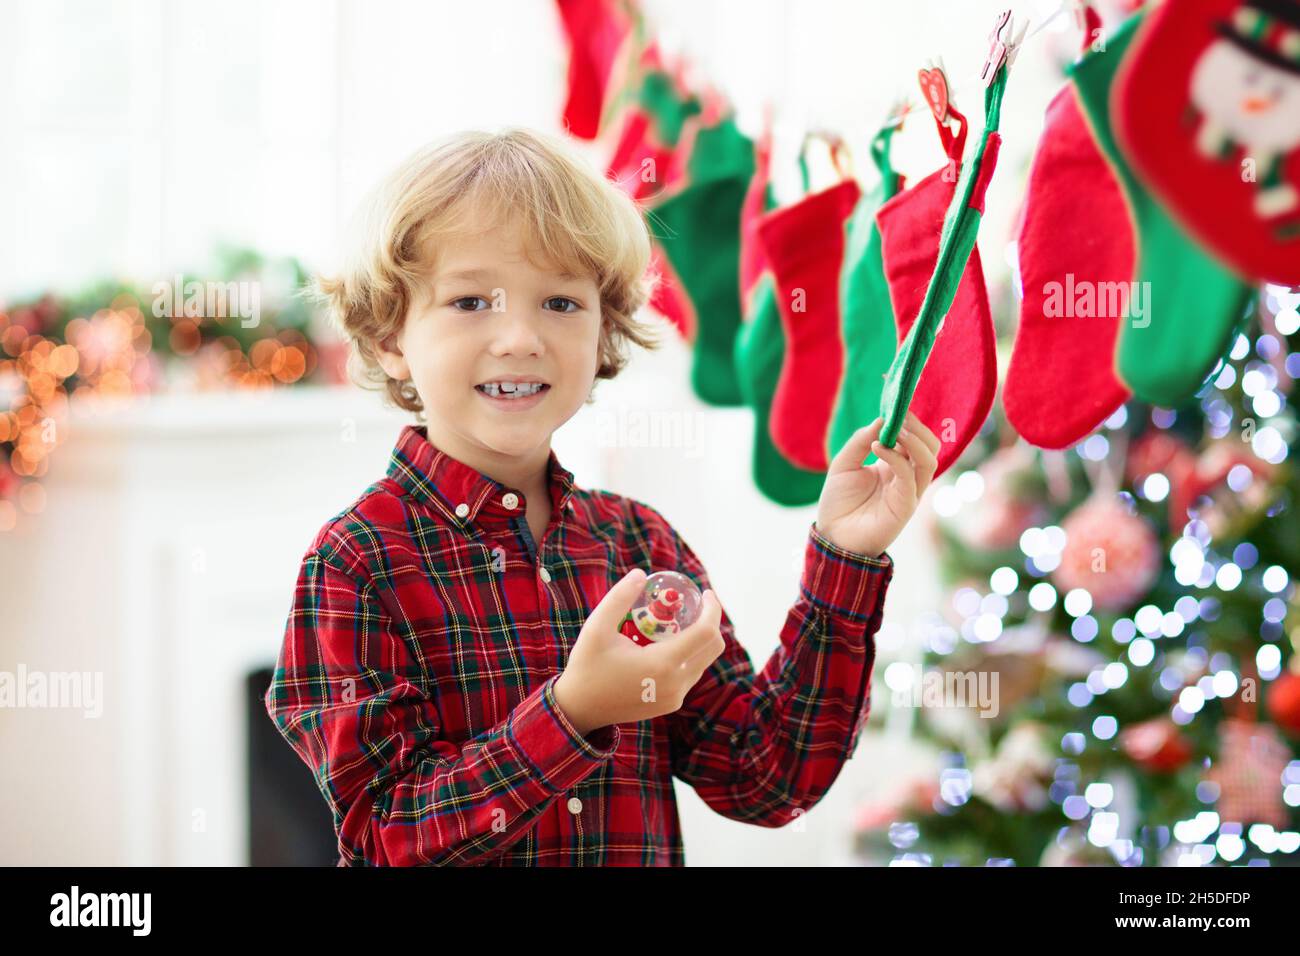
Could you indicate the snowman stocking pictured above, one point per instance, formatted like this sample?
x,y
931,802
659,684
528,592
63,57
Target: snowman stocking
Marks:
x,y
698,226
1208,113
1181,312
1075,237
804,244
760,349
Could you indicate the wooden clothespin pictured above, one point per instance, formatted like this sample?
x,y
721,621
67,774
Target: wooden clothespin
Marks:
x,y
1004,44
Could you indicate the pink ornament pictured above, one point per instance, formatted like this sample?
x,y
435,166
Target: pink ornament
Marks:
x,y
1249,770
1109,552
669,603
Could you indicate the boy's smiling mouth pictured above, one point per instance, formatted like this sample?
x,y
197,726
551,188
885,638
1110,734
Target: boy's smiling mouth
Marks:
x,y
514,392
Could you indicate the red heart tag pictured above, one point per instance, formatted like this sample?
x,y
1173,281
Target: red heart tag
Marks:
x,y
934,87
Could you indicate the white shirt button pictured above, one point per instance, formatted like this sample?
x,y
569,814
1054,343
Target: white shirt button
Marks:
x,y
546,575
510,500
462,510
575,805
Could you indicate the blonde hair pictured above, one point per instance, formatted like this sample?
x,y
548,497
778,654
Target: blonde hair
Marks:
x,y
572,216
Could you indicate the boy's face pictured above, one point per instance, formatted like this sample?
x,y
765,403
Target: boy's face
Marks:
x,y
488,317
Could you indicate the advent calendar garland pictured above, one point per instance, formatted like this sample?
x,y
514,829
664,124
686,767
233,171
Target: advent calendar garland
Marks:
x,y
599,33
956,248
1191,305
698,227
646,161
1128,290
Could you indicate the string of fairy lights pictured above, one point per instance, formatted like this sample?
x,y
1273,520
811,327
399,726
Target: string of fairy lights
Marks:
x,y
53,352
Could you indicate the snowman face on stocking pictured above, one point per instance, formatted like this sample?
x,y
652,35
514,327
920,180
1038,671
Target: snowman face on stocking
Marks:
x,y
1208,109
1246,91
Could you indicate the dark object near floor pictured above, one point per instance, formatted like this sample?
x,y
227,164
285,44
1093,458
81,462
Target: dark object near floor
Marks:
x,y
289,822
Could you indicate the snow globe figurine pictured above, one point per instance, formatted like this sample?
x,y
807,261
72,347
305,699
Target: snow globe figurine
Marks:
x,y
669,603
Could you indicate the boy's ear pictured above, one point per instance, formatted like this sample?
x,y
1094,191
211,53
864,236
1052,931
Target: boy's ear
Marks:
x,y
391,360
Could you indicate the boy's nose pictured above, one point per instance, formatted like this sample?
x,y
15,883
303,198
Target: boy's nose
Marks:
x,y
515,332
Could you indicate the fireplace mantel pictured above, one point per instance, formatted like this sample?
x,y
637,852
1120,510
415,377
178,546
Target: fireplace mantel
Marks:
x,y
165,559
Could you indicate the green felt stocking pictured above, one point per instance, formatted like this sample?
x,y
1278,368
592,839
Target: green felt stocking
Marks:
x,y
1184,309
760,353
866,313
698,227
760,348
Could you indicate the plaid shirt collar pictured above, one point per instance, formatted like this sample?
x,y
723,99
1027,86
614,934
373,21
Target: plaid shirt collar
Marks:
x,y
464,495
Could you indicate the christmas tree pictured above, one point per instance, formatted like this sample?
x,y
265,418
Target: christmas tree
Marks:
x,y
1114,679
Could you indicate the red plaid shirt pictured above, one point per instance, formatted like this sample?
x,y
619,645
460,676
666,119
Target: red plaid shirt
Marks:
x,y
419,661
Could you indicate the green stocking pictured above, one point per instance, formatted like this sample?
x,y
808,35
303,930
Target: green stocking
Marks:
x,y
698,227
867,315
1184,309
760,346
760,353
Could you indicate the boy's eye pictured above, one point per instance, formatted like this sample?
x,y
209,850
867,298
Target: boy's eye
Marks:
x,y
563,299
458,303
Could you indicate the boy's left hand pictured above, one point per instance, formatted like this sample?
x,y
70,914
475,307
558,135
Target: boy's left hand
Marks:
x,y
863,508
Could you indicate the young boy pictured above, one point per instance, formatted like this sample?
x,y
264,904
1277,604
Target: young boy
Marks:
x,y
452,669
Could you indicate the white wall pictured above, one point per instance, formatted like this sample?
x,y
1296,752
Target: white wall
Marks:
x,y
138,132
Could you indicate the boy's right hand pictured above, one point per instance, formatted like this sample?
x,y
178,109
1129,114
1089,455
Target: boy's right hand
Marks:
x,y
611,680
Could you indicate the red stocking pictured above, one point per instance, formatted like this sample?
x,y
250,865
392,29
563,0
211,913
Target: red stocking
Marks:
x,y
805,249
955,392
649,158
1076,234
596,31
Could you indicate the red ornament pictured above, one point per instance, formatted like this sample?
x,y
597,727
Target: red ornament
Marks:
x,y
1159,452
659,617
1156,745
1283,702
1211,473
670,602
8,481
1110,552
